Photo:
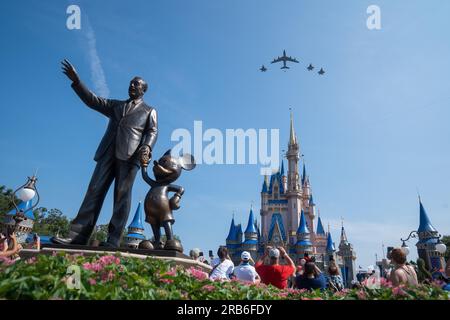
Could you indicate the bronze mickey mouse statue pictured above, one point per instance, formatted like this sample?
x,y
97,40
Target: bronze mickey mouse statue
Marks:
x,y
157,205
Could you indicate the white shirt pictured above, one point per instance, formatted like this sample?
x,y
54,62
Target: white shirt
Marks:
x,y
245,272
223,269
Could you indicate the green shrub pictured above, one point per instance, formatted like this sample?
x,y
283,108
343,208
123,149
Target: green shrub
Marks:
x,y
115,277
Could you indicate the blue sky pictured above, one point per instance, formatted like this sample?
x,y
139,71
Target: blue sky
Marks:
x,y
373,130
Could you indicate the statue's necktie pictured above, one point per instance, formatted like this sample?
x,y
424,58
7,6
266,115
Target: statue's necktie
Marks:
x,y
128,107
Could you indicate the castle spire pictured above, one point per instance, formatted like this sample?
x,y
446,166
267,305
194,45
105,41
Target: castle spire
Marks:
x,y
292,136
232,232
135,232
425,223
343,235
320,229
251,223
330,244
302,227
282,168
136,223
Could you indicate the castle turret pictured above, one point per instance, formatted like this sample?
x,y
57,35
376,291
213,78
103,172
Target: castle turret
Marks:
x,y
293,192
428,239
348,257
251,236
329,252
303,244
135,230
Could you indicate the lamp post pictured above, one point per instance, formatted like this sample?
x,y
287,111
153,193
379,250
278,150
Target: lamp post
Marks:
x,y
439,246
26,192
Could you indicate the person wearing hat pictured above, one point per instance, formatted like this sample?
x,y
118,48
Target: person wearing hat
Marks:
x,y
274,273
245,271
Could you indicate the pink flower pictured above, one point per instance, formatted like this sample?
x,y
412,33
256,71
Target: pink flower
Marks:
x,y
168,281
96,267
32,260
198,274
92,281
108,276
172,272
398,291
208,287
385,283
6,261
54,254
362,295
107,260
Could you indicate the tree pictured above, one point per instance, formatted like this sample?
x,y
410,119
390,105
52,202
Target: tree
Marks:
x,y
5,200
100,233
51,222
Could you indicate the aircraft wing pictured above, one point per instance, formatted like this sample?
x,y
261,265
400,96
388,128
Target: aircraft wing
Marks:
x,y
291,59
279,59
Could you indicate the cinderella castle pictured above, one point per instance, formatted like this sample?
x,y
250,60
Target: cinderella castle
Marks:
x,y
288,219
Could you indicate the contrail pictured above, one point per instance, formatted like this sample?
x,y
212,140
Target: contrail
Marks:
x,y
97,73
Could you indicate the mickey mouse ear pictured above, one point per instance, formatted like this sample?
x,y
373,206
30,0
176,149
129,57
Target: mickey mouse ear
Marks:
x,y
187,162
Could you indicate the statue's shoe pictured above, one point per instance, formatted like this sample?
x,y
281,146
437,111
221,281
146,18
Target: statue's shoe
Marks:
x,y
173,245
67,241
146,245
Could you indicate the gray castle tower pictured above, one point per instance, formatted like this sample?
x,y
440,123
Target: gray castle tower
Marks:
x,y
428,238
135,230
347,259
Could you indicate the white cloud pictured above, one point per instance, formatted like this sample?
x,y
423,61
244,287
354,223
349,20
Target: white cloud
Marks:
x,y
97,73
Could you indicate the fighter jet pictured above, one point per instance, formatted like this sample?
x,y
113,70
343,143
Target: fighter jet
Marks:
x,y
263,69
310,67
284,59
321,71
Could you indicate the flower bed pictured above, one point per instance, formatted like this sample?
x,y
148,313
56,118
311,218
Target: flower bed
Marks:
x,y
114,277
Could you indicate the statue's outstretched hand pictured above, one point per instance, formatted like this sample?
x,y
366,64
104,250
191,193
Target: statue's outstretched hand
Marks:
x,y
70,71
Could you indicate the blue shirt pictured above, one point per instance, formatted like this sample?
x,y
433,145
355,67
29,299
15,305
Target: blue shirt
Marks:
x,y
319,282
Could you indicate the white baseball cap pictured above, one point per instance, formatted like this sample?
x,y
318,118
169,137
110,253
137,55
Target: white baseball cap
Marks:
x,y
274,253
245,255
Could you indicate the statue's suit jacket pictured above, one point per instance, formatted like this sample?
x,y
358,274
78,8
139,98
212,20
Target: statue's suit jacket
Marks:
x,y
127,129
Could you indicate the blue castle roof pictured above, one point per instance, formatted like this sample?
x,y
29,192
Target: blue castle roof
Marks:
x,y
277,219
320,229
304,243
137,220
330,244
302,227
282,168
264,187
232,233
251,228
25,207
136,235
425,223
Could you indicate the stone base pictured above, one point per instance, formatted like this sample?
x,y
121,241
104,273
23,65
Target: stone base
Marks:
x,y
146,252
167,255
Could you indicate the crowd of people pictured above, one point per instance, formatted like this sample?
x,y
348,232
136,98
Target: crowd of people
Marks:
x,y
305,274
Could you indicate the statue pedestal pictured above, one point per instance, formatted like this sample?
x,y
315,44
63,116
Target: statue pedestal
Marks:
x,y
168,255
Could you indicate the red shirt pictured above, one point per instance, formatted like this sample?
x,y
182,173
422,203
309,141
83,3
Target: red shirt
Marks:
x,y
276,275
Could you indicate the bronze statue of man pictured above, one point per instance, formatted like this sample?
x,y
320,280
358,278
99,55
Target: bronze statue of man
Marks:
x,y
128,140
